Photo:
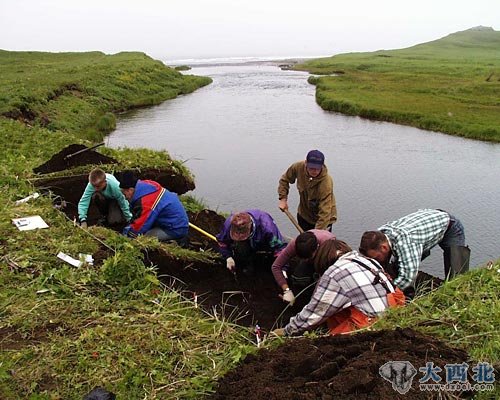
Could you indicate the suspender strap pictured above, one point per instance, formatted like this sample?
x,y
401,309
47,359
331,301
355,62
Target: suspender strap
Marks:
x,y
375,271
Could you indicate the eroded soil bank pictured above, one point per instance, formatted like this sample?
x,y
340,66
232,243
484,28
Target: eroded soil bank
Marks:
x,y
339,367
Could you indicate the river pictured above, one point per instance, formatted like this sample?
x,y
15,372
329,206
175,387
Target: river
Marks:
x,y
239,134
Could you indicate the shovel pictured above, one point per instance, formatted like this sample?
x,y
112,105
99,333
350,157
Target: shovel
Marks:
x,y
66,158
292,219
208,235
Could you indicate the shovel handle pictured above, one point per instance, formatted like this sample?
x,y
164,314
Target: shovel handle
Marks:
x,y
203,232
292,219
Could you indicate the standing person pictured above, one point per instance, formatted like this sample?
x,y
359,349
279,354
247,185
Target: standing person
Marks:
x,y
352,292
246,233
304,247
103,190
409,240
156,211
317,207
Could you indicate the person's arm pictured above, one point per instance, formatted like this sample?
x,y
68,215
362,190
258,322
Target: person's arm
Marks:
x,y
84,203
117,194
284,257
327,212
224,240
409,255
286,180
328,299
146,214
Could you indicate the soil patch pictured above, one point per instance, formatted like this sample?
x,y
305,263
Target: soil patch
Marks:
x,y
210,222
64,159
246,300
339,367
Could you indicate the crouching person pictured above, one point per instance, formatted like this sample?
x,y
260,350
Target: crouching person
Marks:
x,y
350,294
244,235
303,247
156,211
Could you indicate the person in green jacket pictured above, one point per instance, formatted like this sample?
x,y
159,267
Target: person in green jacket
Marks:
x,y
317,206
103,190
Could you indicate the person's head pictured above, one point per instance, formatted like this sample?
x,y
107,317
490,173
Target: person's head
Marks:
x,y
241,226
374,244
306,245
128,180
97,178
328,253
315,160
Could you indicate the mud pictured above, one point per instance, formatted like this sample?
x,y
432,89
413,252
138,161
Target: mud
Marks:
x,y
63,160
340,367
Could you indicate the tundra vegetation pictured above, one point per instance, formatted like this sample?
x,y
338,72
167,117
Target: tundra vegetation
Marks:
x,y
65,330
450,85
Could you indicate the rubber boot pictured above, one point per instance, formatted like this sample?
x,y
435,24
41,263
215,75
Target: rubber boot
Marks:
x,y
456,260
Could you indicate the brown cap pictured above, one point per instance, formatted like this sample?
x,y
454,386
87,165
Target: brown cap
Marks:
x,y
241,226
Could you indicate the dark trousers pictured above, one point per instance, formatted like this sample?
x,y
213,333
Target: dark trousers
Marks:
x,y
109,208
306,226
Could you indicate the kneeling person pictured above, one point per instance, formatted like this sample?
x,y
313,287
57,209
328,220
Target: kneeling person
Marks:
x,y
156,211
350,294
103,190
246,233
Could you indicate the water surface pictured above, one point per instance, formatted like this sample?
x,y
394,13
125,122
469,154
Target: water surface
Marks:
x,y
239,134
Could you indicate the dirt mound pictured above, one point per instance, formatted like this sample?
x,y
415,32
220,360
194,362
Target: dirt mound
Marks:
x,y
210,222
65,159
340,367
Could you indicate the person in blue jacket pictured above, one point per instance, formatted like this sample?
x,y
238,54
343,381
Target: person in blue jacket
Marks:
x,y
246,233
156,211
103,190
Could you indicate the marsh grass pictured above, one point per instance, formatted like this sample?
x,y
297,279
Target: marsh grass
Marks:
x,y
450,85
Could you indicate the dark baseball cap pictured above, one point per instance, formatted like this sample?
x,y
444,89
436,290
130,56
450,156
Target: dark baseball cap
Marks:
x,y
315,159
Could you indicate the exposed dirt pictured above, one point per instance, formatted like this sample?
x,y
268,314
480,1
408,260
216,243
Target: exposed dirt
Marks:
x,y
210,222
339,367
245,300
64,159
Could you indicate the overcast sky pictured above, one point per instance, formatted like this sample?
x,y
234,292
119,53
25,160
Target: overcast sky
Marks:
x,y
175,29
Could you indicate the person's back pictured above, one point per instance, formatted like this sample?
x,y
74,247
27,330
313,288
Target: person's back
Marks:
x,y
157,211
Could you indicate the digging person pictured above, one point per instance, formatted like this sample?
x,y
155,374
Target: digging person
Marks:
x,y
103,190
409,240
317,207
303,247
244,235
156,211
352,292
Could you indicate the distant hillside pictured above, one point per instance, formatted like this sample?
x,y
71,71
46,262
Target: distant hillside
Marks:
x,y
450,85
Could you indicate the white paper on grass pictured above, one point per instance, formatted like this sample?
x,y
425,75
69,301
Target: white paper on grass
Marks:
x,y
70,260
29,223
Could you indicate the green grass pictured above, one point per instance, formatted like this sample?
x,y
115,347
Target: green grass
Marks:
x,y
79,92
464,312
450,85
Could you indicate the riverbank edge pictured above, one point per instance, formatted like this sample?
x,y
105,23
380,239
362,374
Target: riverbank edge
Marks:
x,y
449,85
75,328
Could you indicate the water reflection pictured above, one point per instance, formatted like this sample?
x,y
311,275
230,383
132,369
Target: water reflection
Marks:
x,y
239,135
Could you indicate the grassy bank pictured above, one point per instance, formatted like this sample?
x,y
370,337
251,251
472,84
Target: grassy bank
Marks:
x,y
81,92
450,85
64,330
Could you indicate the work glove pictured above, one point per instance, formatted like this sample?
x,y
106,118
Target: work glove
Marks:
x,y
280,332
230,264
283,204
289,297
83,224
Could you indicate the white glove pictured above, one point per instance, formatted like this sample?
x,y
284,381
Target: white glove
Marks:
x,y
230,264
289,297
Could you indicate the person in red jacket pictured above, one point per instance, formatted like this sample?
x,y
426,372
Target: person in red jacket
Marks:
x,y
156,211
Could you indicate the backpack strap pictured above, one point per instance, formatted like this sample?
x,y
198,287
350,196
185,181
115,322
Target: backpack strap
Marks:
x,y
377,273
